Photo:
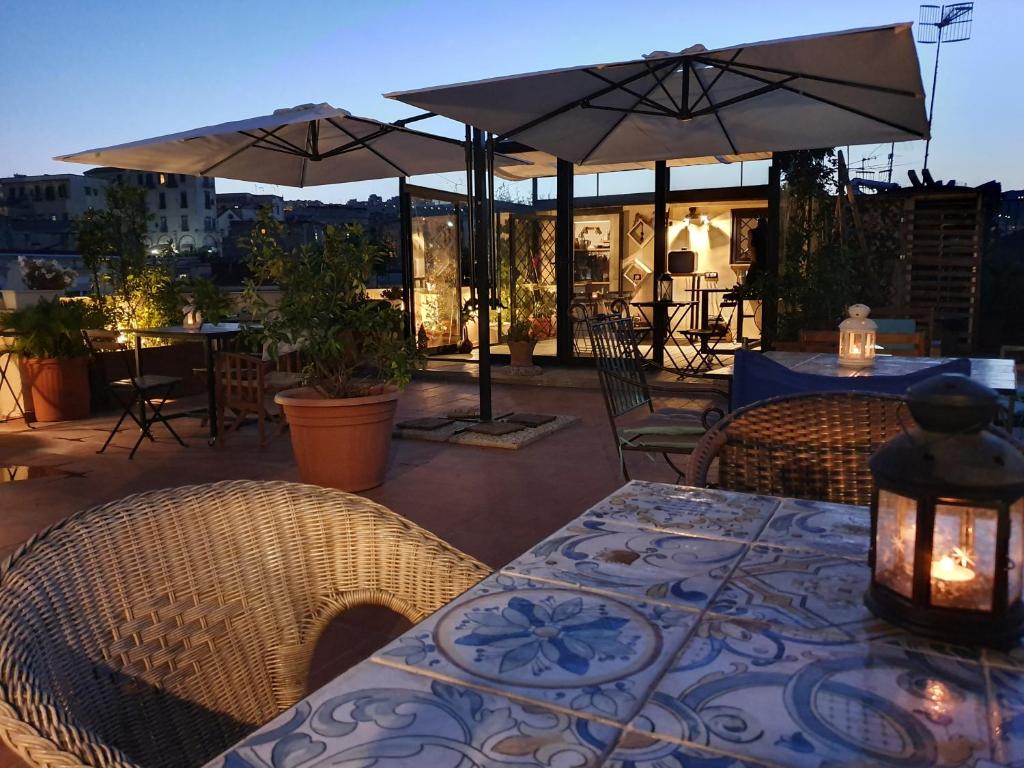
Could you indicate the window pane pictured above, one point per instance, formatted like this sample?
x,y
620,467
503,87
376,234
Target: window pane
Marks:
x,y
963,557
894,545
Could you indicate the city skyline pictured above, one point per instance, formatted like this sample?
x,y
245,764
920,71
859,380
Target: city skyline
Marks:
x,y
244,64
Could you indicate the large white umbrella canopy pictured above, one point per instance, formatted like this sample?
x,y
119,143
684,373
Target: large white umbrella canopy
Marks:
x,y
298,147
541,164
856,87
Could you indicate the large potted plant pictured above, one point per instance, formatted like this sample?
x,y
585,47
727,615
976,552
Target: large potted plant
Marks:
x,y
48,339
41,278
354,355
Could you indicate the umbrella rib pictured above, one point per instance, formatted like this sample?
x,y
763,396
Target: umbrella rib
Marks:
x,y
278,144
577,102
644,98
237,152
823,100
661,84
718,117
367,146
802,75
356,144
618,122
714,81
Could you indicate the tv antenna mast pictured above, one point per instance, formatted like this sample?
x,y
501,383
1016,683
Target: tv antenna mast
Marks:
x,y
940,24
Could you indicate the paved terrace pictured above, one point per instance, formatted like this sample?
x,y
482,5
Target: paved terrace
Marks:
x,y
491,503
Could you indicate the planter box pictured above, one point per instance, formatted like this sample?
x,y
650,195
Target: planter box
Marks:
x,y
22,299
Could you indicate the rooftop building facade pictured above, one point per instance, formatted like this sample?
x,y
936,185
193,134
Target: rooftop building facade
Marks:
x,y
184,207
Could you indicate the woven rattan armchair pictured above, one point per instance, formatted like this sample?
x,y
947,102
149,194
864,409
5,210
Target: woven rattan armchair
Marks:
x,y
160,629
809,446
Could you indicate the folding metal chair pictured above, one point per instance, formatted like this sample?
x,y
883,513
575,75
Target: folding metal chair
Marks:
x,y
5,380
620,368
149,393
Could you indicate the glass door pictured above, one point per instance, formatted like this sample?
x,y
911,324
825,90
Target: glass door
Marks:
x,y
440,287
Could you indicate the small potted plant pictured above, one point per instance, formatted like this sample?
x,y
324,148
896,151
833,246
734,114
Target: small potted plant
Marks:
x,y
521,342
355,358
42,279
49,340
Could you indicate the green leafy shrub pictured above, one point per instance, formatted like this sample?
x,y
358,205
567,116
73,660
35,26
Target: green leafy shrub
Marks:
x,y
353,345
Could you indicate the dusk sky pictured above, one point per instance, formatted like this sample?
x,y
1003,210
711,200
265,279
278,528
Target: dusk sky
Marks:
x,y
80,74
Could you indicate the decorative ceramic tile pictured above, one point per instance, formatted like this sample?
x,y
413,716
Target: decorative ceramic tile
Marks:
x,y
815,699
678,570
1011,659
685,510
1007,715
641,750
380,716
794,588
880,631
580,651
834,528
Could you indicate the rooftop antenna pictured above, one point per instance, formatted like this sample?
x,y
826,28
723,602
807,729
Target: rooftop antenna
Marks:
x,y
940,24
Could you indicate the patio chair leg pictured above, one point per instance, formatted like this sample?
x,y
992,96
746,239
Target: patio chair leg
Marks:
x,y
622,465
680,473
159,417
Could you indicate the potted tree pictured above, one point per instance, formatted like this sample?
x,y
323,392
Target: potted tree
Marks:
x,y
41,278
355,357
48,339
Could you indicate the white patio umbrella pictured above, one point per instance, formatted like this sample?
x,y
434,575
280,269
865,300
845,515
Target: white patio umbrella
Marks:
x,y
856,87
298,147
541,164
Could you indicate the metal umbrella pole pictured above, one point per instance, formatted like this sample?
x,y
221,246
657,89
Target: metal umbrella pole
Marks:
x,y
481,262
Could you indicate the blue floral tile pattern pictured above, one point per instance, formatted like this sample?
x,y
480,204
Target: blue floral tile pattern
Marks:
x,y
837,529
818,700
585,652
1008,715
385,717
682,571
667,627
794,588
679,509
640,750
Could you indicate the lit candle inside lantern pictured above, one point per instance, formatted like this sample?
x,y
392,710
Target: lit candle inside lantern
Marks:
x,y
948,569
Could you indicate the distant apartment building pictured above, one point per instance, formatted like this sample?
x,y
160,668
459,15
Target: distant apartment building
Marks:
x,y
37,212
1011,212
234,207
184,208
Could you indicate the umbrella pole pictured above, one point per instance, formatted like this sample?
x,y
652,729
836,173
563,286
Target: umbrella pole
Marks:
x,y
481,259
660,326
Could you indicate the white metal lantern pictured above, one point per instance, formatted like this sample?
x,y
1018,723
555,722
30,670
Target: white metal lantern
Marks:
x,y
193,318
857,338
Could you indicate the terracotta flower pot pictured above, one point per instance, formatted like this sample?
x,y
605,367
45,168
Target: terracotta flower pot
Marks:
x,y
340,443
521,353
59,387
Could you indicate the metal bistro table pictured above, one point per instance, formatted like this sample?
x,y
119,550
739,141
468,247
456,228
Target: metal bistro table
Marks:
x,y
679,312
667,626
995,373
212,336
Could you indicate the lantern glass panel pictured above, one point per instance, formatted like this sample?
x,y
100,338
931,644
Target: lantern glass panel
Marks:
x,y
894,542
857,345
1016,551
963,565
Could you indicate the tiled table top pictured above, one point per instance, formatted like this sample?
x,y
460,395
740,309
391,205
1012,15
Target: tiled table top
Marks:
x,y
996,373
667,627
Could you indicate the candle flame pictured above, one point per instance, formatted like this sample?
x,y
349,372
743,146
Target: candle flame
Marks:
x,y
947,569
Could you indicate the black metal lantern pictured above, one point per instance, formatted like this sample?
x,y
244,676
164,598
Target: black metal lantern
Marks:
x,y
665,287
947,515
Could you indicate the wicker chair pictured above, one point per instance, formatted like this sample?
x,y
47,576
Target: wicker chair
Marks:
x,y
160,629
809,446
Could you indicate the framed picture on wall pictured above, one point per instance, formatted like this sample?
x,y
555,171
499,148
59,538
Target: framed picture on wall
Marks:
x,y
641,231
593,235
745,237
